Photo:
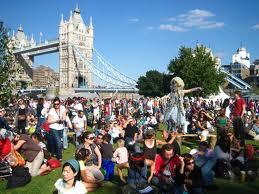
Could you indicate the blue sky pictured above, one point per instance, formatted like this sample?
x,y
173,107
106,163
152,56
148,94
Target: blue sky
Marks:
x,y
140,35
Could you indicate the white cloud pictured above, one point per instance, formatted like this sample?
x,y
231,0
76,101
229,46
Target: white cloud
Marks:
x,y
198,13
150,28
255,27
171,28
213,25
197,18
133,20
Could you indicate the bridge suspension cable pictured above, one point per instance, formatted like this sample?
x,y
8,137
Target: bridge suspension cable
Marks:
x,y
112,69
101,74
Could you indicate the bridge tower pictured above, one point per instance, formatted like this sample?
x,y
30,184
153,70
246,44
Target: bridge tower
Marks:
x,y
25,61
73,72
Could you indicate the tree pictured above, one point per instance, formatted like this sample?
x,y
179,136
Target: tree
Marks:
x,y
8,68
151,84
197,68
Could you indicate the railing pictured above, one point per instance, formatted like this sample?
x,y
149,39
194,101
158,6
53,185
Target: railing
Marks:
x,y
236,81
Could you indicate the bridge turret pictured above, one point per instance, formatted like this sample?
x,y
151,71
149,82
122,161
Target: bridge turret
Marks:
x,y
20,38
62,20
32,42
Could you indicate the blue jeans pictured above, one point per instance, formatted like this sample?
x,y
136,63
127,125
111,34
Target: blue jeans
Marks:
x,y
56,136
50,143
206,170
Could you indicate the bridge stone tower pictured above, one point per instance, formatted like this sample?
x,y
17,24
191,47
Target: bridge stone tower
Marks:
x,y
24,61
74,73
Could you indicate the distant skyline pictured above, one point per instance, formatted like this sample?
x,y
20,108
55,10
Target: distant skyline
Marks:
x,y
140,35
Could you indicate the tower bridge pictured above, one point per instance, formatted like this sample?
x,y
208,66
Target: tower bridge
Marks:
x,y
81,67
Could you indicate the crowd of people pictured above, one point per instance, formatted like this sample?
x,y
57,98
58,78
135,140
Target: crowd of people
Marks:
x,y
122,137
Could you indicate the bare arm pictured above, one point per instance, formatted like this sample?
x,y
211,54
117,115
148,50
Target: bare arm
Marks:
x,y
19,144
192,90
99,156
243,110
152,170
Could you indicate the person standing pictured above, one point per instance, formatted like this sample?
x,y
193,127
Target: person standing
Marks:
x,y
56,119
175,112
21,116
238,112
79,125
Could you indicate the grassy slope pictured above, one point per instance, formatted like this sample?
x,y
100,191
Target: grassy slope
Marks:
x,y
45,184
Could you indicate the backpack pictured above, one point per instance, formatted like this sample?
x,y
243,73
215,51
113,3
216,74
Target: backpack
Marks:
x,y
20,177
5,169
249,151
223,169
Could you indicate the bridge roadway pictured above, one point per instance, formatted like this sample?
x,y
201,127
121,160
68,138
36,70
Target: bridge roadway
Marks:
x,y
82,90
39,49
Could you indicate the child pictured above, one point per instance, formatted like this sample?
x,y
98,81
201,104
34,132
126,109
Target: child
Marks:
x,y
106,151
121,157
69,183
82,156
31,124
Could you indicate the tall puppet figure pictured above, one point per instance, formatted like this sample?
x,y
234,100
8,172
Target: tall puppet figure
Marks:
x,y
175,112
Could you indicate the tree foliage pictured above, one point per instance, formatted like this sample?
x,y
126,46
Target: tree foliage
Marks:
x,y
152,84
197,68
7,66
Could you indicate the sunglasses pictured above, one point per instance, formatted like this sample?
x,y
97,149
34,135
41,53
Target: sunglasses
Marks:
x,y
56,104
189,163
91,138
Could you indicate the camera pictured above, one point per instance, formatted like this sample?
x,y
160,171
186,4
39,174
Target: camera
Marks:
x,y
60,122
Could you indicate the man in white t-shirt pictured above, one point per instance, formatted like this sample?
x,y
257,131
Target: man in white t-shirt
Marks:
x,y
79,124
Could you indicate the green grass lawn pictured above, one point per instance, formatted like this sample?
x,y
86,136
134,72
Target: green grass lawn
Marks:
x,y
45,184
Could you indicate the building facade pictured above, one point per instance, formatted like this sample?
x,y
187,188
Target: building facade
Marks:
x,y
44,77
240,66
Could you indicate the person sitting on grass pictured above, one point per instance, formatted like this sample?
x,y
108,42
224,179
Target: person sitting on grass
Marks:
x,y
222,123
120,156
69,183
32,152
93,164
164,169
254,131
82,156
107,153
188,178
137,176
205,158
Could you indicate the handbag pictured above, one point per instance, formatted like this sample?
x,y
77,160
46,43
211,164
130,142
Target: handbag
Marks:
x,y
19,159
54,163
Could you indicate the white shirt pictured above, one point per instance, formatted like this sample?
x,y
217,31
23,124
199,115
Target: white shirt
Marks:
x,y
78,107
79,122
121,155
57,115
79,188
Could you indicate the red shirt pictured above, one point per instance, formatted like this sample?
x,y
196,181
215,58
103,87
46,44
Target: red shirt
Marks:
x,y
159,162
238,107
